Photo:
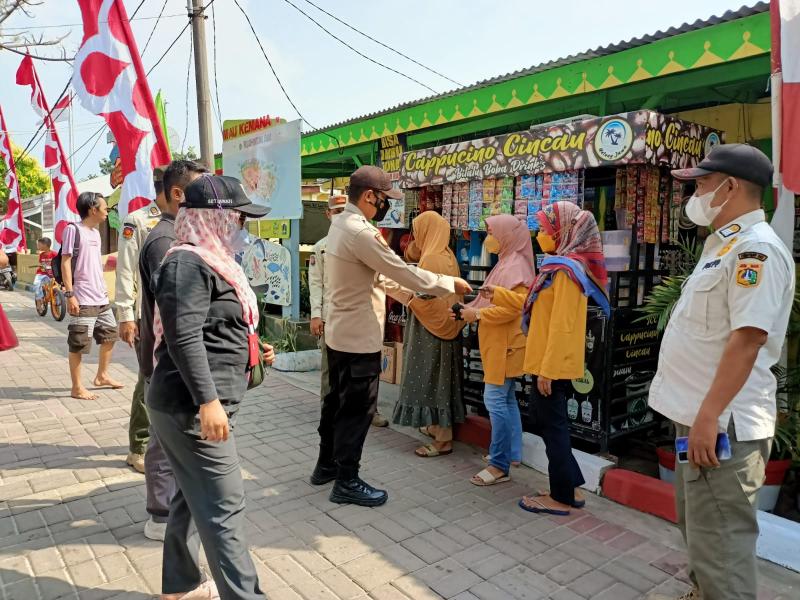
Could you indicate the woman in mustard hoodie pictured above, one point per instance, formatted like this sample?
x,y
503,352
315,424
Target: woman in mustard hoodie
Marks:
x,y
502,343
554,314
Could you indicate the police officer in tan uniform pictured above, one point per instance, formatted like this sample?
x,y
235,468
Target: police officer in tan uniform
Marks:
x,y
319,296
133,233
361,269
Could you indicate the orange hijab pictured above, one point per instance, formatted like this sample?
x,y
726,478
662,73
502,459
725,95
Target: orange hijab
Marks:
x,y
432,237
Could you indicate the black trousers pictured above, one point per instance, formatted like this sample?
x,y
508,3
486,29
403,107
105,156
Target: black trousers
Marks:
x,y
551,414
347,409
209,501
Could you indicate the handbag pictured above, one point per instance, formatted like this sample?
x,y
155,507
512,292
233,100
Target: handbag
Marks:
x,y
256,367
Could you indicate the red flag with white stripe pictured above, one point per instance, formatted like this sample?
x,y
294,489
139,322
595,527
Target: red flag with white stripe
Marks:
x,y
64,189
12,227
110,81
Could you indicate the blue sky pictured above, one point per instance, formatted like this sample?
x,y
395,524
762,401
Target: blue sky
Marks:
x,y
467,40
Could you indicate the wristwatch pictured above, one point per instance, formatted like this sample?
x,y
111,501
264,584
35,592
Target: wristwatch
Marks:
x,y
68,294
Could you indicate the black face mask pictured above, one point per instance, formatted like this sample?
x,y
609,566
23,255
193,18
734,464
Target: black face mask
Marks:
x,y
381,209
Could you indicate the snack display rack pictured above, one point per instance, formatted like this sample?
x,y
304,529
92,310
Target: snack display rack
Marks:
x,y
618,168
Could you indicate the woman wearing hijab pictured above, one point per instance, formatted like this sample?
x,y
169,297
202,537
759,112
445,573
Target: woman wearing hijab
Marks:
x,y
554,311
205,322
430,395
502,343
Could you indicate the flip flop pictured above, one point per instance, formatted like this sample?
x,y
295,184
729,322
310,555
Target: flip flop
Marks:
x,y
486,478
542,509
431,451
575,503
426,431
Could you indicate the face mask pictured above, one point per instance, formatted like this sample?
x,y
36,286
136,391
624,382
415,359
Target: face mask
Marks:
x,y
491,244
382,207
546,242
240,241
699,209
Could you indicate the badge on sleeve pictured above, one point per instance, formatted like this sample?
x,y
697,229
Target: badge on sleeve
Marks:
x,y
727,247
753,256
380,238
748,273
127,231
154,211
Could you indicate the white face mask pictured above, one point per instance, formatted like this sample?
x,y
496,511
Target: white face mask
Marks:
x,y
240,241
699,209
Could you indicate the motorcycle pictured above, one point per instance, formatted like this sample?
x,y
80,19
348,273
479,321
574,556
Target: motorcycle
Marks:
x,y
8,279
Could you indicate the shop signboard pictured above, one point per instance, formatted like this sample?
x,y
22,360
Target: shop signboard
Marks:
x,y
636,137
267,161
389,157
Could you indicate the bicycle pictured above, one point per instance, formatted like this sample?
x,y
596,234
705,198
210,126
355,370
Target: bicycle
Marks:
x,y
54,298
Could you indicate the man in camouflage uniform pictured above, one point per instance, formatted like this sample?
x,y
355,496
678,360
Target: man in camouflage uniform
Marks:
x,y
319,296
133,233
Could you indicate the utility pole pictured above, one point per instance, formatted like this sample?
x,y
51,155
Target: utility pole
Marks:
x,y
198,18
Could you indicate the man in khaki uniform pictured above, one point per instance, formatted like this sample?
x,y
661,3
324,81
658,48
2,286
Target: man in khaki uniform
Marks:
x,y
132,235
361,269
726,331
319,296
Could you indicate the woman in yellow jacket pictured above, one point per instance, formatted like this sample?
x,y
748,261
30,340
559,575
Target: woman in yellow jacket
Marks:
x,y
554,314
502,343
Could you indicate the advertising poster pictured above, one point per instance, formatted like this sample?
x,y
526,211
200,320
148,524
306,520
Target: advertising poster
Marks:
x,y
391,152
267,161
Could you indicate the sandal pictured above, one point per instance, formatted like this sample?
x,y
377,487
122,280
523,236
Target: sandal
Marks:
x,y
426,431
575,503
431,451
485,478
540,508
514,463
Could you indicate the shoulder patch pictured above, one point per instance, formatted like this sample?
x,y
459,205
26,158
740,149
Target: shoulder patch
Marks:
x,y
380,238
154,211
727,247
748,274
730,230
128,231
753,255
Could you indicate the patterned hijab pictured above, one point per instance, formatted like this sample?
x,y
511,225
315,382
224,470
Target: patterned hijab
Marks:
x,y
515,266
209,233
577,237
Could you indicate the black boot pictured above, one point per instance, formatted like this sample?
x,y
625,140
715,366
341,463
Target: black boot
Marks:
x,y
356,491
323,474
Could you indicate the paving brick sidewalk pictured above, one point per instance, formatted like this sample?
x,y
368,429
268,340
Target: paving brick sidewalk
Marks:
x,y
71,513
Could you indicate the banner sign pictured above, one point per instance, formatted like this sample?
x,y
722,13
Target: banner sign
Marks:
x,y
267,162
270,229
389,159
636,137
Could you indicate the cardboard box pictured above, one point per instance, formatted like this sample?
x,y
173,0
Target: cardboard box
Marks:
x,y
392,362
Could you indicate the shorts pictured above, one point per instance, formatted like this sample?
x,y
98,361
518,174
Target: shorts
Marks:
x,y
38,283
92,322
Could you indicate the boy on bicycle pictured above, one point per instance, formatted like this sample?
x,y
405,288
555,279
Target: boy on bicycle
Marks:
x,y
44,273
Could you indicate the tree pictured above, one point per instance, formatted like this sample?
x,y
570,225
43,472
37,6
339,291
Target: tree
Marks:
x,y
106,166
21,43
190,154
33,179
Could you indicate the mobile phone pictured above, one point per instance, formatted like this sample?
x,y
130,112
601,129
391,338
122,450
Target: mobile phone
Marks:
x,y
722,449
457,308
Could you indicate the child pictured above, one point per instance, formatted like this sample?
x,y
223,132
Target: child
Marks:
x,y
45,271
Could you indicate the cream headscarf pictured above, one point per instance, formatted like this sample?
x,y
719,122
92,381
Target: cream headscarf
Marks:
x,y
432,237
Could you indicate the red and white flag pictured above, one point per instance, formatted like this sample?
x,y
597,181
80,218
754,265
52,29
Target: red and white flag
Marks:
x,y
64,189
785,91
110,81
12,227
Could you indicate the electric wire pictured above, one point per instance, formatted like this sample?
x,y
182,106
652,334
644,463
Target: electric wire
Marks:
x,y
216,84
188,74
81,24
380,43
155,25
361,54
